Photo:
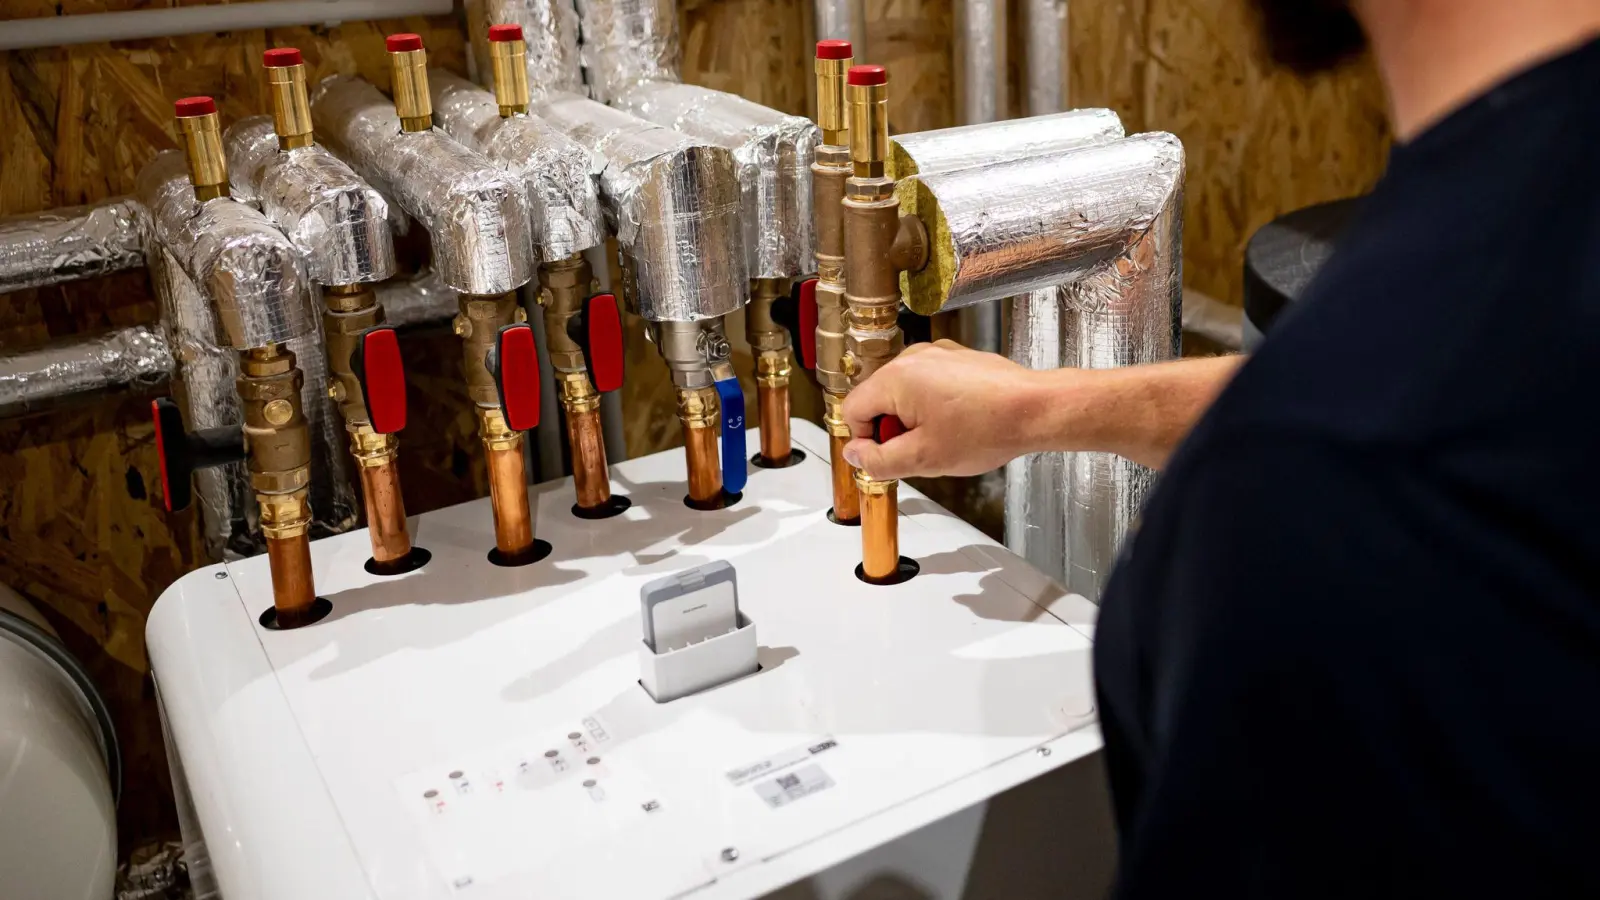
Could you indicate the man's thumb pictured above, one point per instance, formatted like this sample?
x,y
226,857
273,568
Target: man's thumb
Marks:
x,y
878,460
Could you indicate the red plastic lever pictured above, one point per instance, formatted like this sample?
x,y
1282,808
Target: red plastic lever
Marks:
x,y
808,324
515,365
382,374
597,329
181,453
886,428
169,431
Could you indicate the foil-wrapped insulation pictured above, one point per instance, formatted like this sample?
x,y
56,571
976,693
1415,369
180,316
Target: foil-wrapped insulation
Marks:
x,y
333,496
417,300
627,42
550,31
253,275
674,203
67,244
1019,226
1117,308
476,214
773,152
558,174
966,146
40,379
339,223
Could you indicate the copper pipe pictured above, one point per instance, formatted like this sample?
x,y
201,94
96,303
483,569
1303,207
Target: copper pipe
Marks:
x,y
880,528
386,513
293,590
776,446
846,499
508,494
697,412
589,473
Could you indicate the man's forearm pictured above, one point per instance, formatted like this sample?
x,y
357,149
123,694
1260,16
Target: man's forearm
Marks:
x,y
1140,412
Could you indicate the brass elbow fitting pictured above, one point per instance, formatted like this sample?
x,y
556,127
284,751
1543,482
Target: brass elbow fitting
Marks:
x,y
350,309
477,324
201,128
508,57
408,63
286,85
563,286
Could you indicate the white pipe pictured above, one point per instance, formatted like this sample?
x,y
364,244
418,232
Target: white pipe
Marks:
x,y
58,829
94,28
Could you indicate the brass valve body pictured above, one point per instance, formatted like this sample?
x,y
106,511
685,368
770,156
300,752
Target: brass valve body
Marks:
x,y
564,285
278,445
770,341
478,325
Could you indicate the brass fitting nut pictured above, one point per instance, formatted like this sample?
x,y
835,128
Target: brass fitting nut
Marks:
x,y
833,414
370,448
698,407
876,486
286,515
494,431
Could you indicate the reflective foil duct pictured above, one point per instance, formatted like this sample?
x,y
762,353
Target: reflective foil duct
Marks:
x,y
1045,70
59,245
337,221
251,272
39,379
966,146
421,299
980,61
1113,236
476,215
550,30
674,203
626,42
1028,224
558,174
254,277
773,152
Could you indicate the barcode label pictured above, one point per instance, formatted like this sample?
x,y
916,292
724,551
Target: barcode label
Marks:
x,y
796,785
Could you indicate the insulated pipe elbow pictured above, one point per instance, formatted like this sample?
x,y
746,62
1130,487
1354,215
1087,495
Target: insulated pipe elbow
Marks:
x,y
339,223
476,214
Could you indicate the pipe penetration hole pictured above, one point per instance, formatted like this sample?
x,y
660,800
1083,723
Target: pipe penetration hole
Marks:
x,y
320,608
416,559
795,458
538,551
616,505
903,573
848,523
721,501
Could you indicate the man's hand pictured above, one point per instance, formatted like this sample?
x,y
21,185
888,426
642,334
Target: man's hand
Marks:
x,y
965,412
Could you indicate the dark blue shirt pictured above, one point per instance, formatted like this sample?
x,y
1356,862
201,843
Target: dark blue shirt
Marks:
x,y
1353,649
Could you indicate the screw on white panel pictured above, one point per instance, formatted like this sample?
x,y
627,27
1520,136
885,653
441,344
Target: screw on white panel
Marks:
x,y
220,575
730,854
1044,751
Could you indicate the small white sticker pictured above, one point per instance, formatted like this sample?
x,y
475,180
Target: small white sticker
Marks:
x,y
792,786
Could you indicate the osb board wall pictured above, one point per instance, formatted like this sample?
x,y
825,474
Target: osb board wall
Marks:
x,y
1260,142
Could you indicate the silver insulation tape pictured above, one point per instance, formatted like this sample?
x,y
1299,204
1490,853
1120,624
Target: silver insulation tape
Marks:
x,y
773,152
674,203
339,223
39,379
550,30
558,174
476,214
626,42
1116,308
1045,71
253,275
59,245
966,146
422,299
1028,224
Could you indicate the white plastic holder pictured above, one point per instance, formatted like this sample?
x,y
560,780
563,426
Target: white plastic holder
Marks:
x,y
692,669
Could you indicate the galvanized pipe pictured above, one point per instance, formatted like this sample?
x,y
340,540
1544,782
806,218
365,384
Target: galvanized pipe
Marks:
x,y
58,245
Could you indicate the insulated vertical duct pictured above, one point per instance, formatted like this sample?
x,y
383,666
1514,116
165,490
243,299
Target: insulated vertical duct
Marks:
x,y
1044,22
1105,223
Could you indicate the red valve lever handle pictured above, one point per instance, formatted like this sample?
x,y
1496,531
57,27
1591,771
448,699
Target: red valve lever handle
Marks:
x,y
514,362
597,330
181,453
798,313
377,365
886,428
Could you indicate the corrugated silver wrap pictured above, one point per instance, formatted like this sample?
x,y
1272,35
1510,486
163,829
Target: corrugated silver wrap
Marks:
x,y
674,202
773,152
223,236
476,214
38,379
557,173
966,146
253,275
339,222
626,42
1116,232
550,30
421,299
59,245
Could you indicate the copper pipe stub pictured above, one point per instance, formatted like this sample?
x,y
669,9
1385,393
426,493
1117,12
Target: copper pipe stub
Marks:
x,y
286,85
591,478
514,544
697,413
771,344
201,129
386,507
508,55
294,595
881,562
408,64
846,499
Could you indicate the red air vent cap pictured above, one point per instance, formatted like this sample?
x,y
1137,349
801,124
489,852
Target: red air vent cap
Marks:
x,y
189,107
867,75
834,50
400,43
503,33
279,57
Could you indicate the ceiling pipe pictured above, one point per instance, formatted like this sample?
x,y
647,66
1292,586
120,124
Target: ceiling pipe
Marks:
x,y
141,24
